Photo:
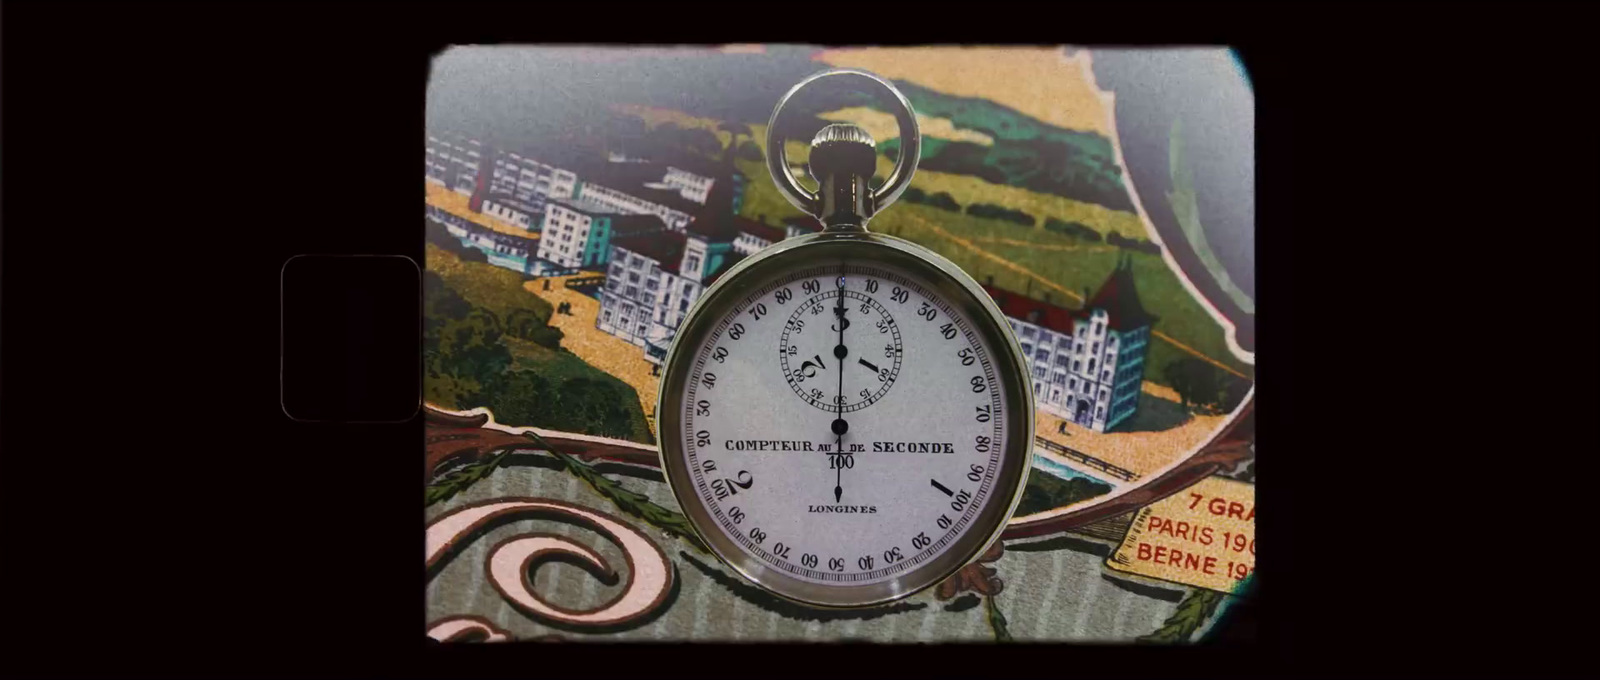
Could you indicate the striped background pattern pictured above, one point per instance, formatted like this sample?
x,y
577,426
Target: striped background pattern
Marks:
x,y
1055,589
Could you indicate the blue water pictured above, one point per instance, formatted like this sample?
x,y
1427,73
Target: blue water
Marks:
x,y
1061,471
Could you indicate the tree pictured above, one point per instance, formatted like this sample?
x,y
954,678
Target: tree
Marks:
x,y
1234,393
473,255
703,141
526,397
587,405
522,323
943,200
735,130
750,151
1195,381
439,301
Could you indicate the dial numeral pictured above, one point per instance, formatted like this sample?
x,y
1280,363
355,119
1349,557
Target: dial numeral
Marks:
x,y
836,564
899,295
982,444
975,474
757,535
948,331
736,332
966,357
983,413
921,541
720,355
758,311
808,560
735,514
960,503
730,487
872,285
709,380
977,384
927,311
944,522
811,287
941,487
892,555
702,438
783,296
865,562
780,550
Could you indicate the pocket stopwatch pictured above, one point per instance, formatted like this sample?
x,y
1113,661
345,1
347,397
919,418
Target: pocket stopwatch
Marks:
x,y
846,417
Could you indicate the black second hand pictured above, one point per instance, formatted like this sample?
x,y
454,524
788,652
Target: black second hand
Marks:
x,y
838,404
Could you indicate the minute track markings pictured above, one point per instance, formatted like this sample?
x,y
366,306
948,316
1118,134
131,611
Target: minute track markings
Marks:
x,y
740,377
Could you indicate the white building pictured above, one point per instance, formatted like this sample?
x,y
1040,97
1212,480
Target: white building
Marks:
x,y
693,187
453,161
629,204
577,233
512,210
1087,364
525,179
755,235
502,250
654,279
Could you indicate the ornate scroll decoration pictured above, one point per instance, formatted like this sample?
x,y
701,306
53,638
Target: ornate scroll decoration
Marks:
x,y
976,577
650,575
464,628
1225,451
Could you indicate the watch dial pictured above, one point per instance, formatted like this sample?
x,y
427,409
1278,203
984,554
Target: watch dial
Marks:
x,y
843,423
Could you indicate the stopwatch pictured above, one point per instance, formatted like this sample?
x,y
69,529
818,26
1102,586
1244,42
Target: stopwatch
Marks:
x,y
845,417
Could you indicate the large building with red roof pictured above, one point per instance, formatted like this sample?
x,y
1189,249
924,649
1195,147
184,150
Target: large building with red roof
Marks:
x,y
1087,364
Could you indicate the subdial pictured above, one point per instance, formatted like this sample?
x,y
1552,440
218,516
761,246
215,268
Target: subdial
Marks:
x,y
822,346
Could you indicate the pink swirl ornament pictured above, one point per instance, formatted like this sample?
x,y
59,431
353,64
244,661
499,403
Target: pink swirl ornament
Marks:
x,y
459,628
650,575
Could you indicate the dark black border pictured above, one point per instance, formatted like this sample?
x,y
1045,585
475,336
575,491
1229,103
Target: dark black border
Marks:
x,y
1425,169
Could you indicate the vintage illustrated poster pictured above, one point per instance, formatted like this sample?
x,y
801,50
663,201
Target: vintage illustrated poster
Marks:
x,y
578,200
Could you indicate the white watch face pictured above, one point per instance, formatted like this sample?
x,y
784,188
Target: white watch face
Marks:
x,y
843,423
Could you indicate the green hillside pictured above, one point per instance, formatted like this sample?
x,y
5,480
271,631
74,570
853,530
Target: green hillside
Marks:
x,y
486,342
1074,263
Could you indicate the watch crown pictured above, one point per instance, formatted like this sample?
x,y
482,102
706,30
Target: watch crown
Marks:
x,y
842,133
843,155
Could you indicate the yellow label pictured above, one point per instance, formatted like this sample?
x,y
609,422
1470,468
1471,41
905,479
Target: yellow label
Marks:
x,y
1203,536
